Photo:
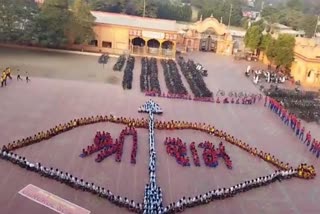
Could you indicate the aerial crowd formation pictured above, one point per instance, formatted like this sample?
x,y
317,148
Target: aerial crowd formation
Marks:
x,y
291,120
177,149
128,73
106,146
149,82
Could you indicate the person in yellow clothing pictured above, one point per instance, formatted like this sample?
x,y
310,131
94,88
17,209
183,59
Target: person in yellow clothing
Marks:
x,y
3,79
8,73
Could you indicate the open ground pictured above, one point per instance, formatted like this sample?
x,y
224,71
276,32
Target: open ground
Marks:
x,y
55,95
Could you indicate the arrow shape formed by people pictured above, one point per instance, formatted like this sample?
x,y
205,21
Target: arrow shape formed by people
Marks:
x,y
152,193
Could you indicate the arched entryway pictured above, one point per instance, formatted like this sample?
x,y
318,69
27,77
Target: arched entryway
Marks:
x,y
138,45
138,41
153,46
167,47
153,43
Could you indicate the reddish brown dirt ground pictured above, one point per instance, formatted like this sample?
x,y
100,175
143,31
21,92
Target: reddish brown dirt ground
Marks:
x,y
43,103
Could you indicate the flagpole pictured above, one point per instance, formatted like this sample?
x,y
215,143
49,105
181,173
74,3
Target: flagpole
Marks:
x,y
316,29
144,8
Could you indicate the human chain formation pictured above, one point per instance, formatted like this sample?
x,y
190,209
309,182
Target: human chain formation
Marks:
x,y
149,81
177,149
194,79
128,73
248,99
104,144
120,63
284,170
173,80
292,121
152,194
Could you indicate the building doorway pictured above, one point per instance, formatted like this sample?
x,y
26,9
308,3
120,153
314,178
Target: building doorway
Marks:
x,y
153,47
208,41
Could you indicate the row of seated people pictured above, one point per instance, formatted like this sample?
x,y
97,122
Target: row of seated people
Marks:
x,y
177,149
103,143
72,181
194,153
223,193
211,155
143,123
244,100
224,100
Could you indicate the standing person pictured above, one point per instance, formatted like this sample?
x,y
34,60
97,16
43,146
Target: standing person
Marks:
x,y
19,77
301,134
265,101
4,78
2,81
27,77
8,72
308,138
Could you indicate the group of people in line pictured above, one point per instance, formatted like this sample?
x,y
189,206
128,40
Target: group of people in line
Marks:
x,y
153,194
120,63
224,100
291,120
173,79
149,81
71,180
103,143
162,125
194,79
177,149
128,73
6,75
223,193
268,75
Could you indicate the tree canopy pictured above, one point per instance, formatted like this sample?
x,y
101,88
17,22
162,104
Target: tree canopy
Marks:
x,y
294,14
17,18
221,10
52,22
81,22
253,37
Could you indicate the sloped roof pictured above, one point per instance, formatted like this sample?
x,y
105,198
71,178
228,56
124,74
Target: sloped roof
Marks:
x,y
134,21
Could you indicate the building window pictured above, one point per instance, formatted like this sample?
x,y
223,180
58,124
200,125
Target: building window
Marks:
x,y
94,43
106,44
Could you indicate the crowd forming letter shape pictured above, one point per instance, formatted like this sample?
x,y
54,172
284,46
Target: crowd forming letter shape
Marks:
x,y
153,195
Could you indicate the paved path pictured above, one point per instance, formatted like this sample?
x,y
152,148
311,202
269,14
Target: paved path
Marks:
x,y
29,108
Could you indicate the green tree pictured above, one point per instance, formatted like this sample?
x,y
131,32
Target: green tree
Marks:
x,y
271,50
266,41
221,9
52,23
17,20
115,6
308,24
81,22
253,37
174,12
284,50
295,4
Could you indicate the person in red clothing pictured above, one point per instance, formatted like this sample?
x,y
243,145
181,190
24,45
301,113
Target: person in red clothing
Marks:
x,y
308,138
298,127
265,101
301,134
313,145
